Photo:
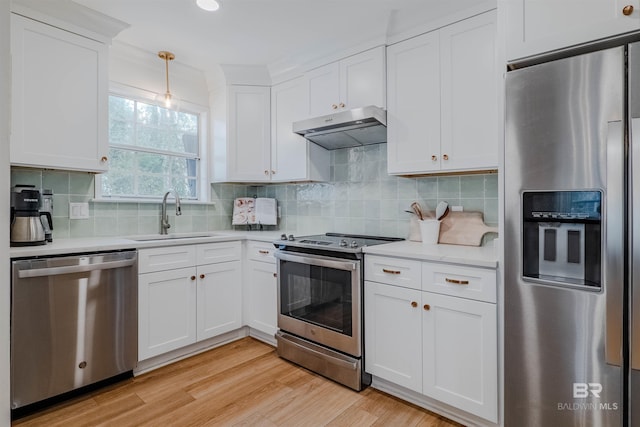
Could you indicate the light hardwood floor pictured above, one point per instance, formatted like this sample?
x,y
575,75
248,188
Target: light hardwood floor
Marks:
x,y
243,383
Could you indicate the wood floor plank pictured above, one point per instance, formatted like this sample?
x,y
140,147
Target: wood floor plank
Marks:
x,y
240,384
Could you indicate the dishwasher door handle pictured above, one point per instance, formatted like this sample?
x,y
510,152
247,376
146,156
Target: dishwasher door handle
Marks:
x,y
56,271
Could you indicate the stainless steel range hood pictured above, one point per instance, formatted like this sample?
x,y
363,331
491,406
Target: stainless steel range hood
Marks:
x,y
351,128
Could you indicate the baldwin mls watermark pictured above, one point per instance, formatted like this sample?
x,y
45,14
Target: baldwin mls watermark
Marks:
x,y
585,391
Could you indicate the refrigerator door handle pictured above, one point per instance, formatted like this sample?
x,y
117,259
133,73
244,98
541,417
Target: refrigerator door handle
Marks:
x,y
614,244
635,245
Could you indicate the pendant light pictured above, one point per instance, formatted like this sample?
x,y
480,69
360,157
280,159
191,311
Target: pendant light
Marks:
x,y
167,56
208,5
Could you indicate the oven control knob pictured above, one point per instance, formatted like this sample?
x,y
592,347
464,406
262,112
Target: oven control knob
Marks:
x,y
283,237
354,244
291,238
343,243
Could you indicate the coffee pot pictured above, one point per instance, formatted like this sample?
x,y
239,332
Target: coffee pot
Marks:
x,y
46,212
26,224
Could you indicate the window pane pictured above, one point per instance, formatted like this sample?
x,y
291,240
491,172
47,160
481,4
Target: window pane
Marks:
x,y
139,173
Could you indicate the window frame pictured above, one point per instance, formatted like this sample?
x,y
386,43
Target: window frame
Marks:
x,y
203,194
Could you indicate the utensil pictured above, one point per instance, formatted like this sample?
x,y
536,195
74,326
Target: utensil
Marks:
x,y
442,210
418,210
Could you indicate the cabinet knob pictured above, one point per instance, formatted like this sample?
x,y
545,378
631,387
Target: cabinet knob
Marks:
x,y
434,158
627,10
275,274
202,276
266,172
273,172
193,277
414,304
445,156
334,107
342,105
427,307
104,159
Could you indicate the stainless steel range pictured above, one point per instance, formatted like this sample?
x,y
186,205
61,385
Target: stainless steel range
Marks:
x,y
320,304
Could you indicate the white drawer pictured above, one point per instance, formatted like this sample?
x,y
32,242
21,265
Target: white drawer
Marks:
x,y
166,258
212,253
466,282
261,251
393,271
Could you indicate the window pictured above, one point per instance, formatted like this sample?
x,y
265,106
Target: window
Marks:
x,y
151,149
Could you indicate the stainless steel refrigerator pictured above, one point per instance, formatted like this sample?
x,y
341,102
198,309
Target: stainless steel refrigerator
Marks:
x,y
572,241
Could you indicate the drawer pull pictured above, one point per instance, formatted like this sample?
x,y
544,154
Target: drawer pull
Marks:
x,y
386,270
262,251
456,281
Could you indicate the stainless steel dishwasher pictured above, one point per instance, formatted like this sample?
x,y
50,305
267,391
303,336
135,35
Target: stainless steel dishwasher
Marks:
x,y
73,322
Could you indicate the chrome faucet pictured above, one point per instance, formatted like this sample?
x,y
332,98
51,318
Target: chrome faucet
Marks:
x,y
164,220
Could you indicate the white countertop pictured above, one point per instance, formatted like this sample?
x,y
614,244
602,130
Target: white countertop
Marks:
x,y
477,256
96,244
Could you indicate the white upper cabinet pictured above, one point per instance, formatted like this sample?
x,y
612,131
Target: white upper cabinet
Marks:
x,y
353,82
469,94
59,98
258,143
537,26
293,158
443,102
249,134
413,115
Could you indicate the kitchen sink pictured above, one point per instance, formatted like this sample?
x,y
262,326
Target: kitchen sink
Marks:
x,y
171,237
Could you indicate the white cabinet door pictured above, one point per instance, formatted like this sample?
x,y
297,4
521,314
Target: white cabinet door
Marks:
x,y
166,303
59,98
469,101
538,26
293,158
263,296
460,353
249,134
393,337
413,115
362,80
353,82
324,89
219,295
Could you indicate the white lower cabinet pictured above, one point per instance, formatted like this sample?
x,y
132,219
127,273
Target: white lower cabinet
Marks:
x,y
166,301
262,288
392,334
180,306
442,344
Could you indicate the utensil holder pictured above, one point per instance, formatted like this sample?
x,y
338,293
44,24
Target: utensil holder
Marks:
x,y
430,231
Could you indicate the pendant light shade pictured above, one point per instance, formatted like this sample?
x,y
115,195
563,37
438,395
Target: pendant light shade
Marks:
x,y
167,56
208,5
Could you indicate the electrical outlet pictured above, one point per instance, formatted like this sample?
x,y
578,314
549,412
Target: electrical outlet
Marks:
x,y
456,209
79,210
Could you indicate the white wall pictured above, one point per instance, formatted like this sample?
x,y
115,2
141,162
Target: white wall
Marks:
x,y
140,69
5,415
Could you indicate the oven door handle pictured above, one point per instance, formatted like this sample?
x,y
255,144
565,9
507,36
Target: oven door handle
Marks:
x,y
320,261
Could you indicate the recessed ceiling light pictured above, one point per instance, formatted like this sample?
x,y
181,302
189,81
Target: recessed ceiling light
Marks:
x,y
209,5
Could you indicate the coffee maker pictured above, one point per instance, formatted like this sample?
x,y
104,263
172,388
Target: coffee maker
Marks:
x,y
26,225
46,213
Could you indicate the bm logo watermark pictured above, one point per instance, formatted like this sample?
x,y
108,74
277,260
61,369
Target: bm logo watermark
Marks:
x,y
583,390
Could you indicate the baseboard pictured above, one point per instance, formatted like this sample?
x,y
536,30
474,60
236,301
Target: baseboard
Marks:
x,y
261,336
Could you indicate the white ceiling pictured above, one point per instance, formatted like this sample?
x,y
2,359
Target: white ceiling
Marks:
x,y
267,32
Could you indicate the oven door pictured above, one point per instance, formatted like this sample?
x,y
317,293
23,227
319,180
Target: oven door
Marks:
x,y
319,298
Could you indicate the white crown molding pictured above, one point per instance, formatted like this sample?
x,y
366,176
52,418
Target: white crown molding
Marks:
x,y
72,17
